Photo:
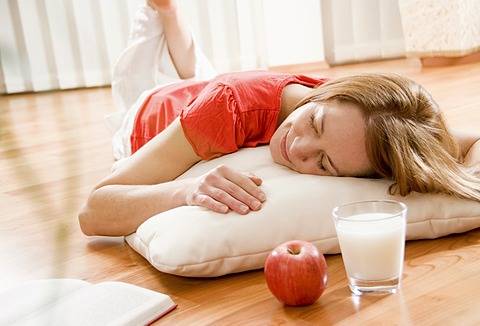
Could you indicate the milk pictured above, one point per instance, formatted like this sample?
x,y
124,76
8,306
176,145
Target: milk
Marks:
x,y
372,247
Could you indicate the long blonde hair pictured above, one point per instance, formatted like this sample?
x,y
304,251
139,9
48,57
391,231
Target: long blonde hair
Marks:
x,y
407,138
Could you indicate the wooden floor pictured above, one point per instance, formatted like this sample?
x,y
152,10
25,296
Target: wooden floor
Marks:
x,y
54,148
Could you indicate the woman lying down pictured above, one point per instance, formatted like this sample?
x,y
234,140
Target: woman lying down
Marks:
x,y
174,112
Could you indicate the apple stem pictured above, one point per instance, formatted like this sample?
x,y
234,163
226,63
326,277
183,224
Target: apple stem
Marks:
x,y
294,251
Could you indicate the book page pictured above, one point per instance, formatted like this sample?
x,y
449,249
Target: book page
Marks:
x,y
108,303
31,296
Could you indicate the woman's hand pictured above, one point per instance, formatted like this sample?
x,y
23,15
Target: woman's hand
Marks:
x,y
223,188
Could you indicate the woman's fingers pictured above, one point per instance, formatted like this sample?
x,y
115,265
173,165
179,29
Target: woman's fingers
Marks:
x,y
243,186
224,188
206,201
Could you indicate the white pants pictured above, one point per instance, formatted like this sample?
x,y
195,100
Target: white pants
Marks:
x,y
143,67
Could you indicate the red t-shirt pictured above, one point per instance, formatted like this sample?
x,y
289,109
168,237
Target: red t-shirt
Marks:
x,y
219,116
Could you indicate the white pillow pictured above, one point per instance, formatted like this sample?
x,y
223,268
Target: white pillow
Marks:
x,y
193,241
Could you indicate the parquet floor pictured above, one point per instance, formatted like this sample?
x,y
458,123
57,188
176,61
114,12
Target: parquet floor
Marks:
x,y
54,148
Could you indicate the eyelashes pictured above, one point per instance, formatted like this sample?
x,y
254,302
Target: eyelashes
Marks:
x,y
312,123
320,165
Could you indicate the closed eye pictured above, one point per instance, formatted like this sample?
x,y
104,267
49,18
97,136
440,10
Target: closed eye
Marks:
x,y
321,166
312,123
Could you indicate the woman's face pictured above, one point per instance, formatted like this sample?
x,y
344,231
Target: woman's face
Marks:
x,y
322,139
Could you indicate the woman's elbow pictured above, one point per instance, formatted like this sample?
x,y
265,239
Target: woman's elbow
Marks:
x,y
92,216
85,221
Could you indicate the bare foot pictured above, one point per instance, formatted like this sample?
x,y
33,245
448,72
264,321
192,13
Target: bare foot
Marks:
x,y
164,6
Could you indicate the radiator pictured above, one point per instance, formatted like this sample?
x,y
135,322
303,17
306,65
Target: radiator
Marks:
x,y
361,30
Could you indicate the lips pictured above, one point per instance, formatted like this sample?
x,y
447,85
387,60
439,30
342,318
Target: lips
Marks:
x,y
283,147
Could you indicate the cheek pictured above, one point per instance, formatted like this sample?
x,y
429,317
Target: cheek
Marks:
x,y
275,146
301,120
299,115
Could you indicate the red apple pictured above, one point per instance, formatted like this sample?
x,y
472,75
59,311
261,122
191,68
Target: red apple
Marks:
x,y
296,273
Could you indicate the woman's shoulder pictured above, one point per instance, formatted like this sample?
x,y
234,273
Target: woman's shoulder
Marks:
x,y
262,74
264,80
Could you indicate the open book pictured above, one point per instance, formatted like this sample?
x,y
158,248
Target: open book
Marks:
x,y
77,302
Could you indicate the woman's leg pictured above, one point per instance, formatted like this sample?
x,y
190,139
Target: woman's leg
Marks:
x,y
178,36
147,63
160,51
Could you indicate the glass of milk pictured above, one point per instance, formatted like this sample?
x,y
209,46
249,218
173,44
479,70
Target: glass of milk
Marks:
x,y
371,235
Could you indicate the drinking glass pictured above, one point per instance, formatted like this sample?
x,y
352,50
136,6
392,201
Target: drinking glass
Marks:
x,y
371,235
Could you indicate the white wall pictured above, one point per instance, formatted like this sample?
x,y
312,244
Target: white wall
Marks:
x,y
252,34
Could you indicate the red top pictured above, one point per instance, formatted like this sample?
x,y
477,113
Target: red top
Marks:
x,y
219,116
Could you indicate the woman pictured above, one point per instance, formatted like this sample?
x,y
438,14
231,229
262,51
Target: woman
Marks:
x,y
366,125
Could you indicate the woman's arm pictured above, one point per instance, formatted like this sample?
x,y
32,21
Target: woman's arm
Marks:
x,y
142,187
470,147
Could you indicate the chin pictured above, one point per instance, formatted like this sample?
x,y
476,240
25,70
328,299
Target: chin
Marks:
x,y
272,153
274,147
277,156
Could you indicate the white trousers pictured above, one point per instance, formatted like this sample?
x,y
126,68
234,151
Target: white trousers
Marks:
x,y
143,67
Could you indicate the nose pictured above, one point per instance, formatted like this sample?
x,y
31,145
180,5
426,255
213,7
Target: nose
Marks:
x,y
304,148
